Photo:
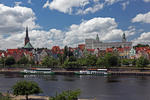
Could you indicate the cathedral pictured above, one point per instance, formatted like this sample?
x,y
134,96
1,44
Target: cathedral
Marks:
x,y
27,44
96,43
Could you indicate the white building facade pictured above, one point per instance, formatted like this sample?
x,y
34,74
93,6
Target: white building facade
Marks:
x,y
95,43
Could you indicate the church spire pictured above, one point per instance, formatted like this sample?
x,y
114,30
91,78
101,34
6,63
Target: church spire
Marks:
x,y
97,38
27,32
123,37
27,37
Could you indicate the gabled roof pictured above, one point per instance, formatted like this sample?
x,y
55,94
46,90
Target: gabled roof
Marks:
x,y
28,46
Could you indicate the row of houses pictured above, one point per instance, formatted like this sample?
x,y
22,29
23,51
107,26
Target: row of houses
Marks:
x,y
38,54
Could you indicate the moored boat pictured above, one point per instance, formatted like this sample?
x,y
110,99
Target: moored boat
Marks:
x,y
92,72
47,71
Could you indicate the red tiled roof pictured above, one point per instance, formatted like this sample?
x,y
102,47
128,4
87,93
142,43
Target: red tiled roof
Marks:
x,y
109,50
91,50
81,46
56,49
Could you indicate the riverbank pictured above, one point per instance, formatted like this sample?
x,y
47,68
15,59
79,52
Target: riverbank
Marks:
x,y
32,97
112,71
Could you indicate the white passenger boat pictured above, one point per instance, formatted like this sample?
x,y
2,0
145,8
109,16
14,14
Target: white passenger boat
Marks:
x,y
92,72
38,71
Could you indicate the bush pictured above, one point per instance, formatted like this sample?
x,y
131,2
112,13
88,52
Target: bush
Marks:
x,y
67,95
142,62
10,61
4,97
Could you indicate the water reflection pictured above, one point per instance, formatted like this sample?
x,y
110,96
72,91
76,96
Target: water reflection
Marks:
x,y
99,87
112,79
43,77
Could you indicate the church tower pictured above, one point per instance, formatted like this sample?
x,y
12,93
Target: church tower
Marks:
x,y
97,38
124,38
27,37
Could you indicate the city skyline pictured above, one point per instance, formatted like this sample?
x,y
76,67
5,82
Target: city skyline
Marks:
x,y
66,22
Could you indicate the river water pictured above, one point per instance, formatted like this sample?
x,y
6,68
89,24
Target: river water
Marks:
x,y
99,87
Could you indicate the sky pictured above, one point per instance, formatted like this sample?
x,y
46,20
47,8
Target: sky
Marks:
x,y
70,22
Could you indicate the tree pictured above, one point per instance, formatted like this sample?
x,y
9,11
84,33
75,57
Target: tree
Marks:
x,y
66,53
31,62
23,60
100,62
82,61
141,45
142,62
72,58
69,64
46,61
10,61
26,88
49,61
2,61
125,62
67,95
111,60
133,62
91,60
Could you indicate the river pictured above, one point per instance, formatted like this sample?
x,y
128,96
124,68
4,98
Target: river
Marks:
x,y
99,87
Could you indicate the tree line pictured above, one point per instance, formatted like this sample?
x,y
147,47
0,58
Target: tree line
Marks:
x,y
68,60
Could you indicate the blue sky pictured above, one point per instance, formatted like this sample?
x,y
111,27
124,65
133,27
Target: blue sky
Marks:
x,y
70,22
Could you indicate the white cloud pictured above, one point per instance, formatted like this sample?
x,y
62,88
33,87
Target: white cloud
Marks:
x,y
75,34
38,38
110,2
105,27
93,9
124,4
18,3
78,6
14,19
142,39
131,31
145,18
29,1
65,5
146,0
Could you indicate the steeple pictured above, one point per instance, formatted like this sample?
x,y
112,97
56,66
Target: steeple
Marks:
x,y
97,38
123,37
26,31
27,37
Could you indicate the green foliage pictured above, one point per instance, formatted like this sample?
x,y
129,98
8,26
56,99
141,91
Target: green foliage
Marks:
x,y
142,62
72,58
141,45
67,95
31,62
26,88
66,53
23,60
91,60
4,97
110,60
100,62
49,61
133,62
69,64
10,61
2,60
61,59
125,62
82,61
